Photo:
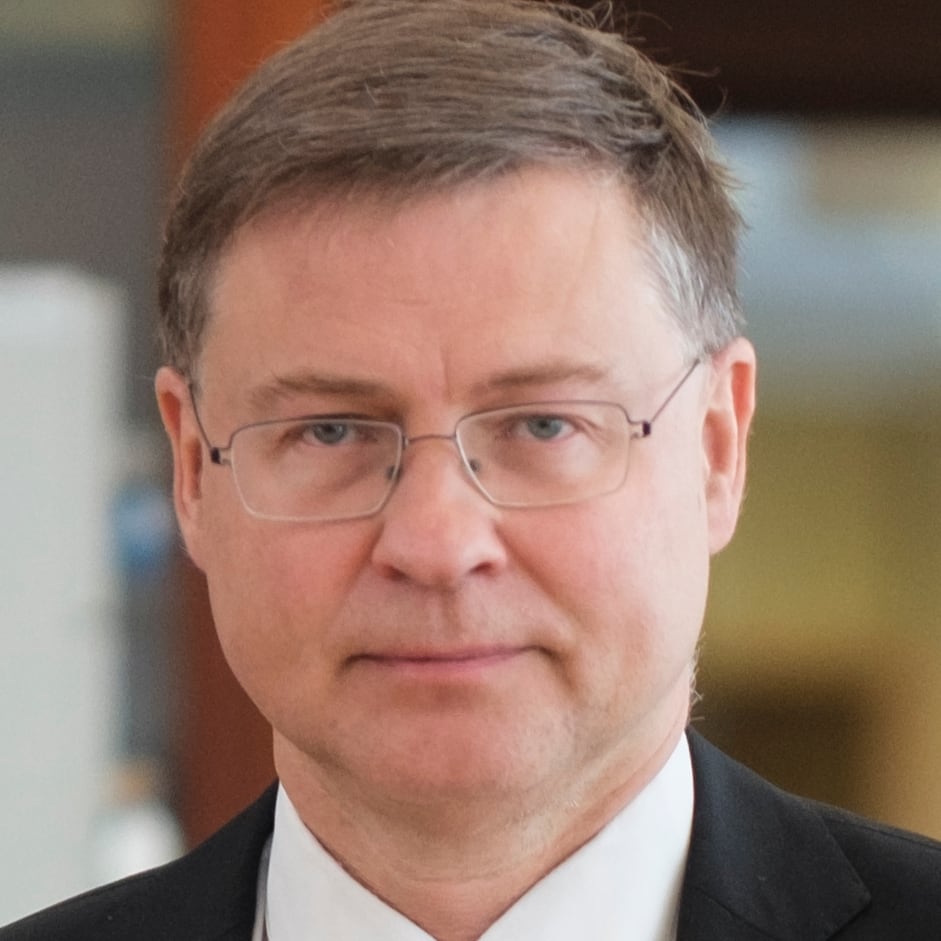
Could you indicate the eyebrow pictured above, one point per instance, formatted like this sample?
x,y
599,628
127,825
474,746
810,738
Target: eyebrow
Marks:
x,y
541,374
266,396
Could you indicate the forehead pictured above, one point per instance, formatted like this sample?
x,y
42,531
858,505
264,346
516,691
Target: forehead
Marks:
x,y
443,290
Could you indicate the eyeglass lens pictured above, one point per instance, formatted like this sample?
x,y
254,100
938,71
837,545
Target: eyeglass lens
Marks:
x,y
332,468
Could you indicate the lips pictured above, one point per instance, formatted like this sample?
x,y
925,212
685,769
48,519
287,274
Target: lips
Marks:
x,y
435,662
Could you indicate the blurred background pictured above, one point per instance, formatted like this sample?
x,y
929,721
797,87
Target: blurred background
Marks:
x,y
123,738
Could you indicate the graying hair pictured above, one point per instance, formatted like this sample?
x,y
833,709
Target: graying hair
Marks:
x,y
393,99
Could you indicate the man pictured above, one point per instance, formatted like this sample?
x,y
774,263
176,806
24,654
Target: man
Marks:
x,y
459,413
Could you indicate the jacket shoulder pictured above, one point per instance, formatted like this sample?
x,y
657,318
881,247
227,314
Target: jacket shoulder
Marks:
x,y
208,894
767,864
901,870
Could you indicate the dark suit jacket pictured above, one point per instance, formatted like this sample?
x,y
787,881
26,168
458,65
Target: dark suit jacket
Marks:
x,y
763,865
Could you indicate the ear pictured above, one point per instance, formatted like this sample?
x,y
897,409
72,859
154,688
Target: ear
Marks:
x,y
729,408
179,420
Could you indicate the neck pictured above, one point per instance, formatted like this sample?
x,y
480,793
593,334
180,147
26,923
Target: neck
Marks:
x,y
454,866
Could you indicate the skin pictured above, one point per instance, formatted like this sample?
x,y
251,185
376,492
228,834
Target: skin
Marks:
x,y
461,695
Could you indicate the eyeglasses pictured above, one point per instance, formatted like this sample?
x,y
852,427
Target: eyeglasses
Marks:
x,y
324,468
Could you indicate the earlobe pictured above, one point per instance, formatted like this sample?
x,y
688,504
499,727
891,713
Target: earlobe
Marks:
x,y
176,411
729,410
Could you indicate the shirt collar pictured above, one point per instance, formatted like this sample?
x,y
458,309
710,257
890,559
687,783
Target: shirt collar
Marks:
x,y
624,883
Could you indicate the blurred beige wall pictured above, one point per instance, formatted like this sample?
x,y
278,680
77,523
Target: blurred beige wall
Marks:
x,y
822,651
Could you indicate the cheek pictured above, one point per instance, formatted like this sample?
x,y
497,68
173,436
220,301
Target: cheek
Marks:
x,y
632,583
274,593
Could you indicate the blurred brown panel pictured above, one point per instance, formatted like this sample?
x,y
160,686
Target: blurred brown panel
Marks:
x,y
215,44
225,745
817,57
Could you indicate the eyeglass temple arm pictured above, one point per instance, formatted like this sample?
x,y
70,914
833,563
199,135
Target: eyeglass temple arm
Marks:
x,y
646,425
215,452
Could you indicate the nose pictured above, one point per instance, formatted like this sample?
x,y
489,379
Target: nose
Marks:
x,y
437,528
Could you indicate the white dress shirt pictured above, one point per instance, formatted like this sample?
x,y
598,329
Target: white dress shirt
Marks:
x,y
622,884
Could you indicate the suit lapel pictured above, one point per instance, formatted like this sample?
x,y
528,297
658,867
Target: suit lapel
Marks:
x,y
762,863
225,868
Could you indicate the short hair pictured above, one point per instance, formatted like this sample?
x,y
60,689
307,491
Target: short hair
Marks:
x,y
399,98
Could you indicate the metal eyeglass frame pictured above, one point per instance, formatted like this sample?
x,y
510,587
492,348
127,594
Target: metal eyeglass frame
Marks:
x,y
218,454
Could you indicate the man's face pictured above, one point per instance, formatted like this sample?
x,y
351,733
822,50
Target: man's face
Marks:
x,y
445,648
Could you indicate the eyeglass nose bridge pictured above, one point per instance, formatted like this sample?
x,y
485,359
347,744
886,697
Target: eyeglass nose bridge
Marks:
x,y
470,465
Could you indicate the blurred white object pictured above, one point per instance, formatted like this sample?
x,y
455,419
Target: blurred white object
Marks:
x,y
61,350
135,831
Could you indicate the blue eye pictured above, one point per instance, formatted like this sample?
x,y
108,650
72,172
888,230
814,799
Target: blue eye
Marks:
x,y
328,432
546,427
